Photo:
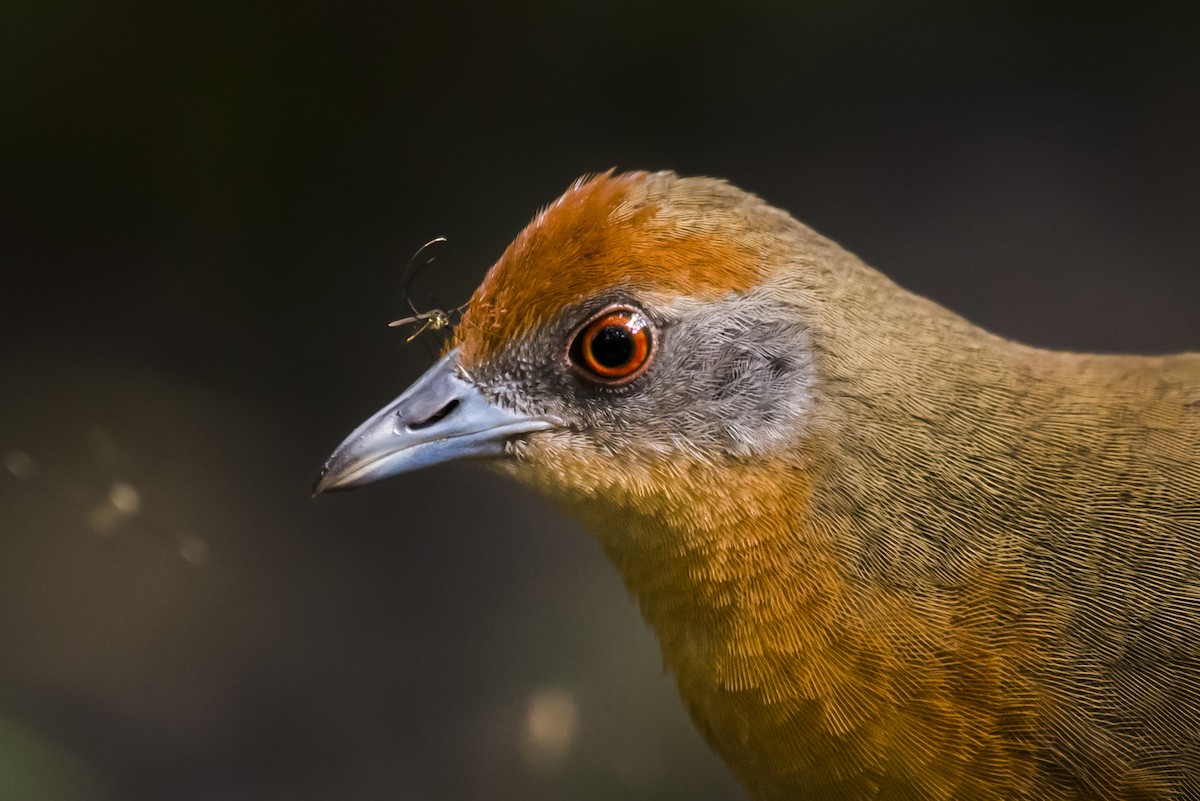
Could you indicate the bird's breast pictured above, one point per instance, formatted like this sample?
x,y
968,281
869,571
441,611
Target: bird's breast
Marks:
x,y
809,683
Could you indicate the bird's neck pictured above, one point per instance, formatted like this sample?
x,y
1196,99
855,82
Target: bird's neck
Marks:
x,y
791,667
743,597
709,556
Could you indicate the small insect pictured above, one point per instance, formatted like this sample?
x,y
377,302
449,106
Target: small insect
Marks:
x,y
434,319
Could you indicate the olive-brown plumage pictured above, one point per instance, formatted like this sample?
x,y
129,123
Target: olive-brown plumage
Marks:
x,y
887,554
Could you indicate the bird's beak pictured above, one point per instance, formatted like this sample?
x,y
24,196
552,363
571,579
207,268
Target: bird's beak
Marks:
x,y
440,418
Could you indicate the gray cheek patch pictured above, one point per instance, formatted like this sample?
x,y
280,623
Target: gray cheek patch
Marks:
x,y
733,375
731,378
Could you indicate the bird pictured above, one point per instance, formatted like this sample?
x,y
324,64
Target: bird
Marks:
x,y
886,553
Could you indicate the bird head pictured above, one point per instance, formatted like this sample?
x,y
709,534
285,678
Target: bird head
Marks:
x,y
636,348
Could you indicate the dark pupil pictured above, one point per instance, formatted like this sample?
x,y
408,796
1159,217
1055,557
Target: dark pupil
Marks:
x,y
612,346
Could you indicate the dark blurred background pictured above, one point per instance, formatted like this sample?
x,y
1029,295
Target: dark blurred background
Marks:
x,y
205,211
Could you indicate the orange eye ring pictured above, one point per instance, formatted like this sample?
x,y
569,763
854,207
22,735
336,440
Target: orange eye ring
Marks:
x,y
614,347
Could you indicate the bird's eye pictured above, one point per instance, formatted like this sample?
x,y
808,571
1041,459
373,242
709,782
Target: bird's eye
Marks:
x,y
614,347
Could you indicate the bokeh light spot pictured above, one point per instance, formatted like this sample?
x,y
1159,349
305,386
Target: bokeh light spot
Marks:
x,y
18,463
121,503
124,498
194,550
551,726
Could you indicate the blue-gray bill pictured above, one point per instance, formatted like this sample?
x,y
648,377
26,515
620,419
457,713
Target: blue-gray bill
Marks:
x,y
440,418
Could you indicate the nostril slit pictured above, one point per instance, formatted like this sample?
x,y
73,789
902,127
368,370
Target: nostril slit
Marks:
x,y
436,417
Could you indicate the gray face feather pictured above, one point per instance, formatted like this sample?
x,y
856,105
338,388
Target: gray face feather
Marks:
x,y
730,378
